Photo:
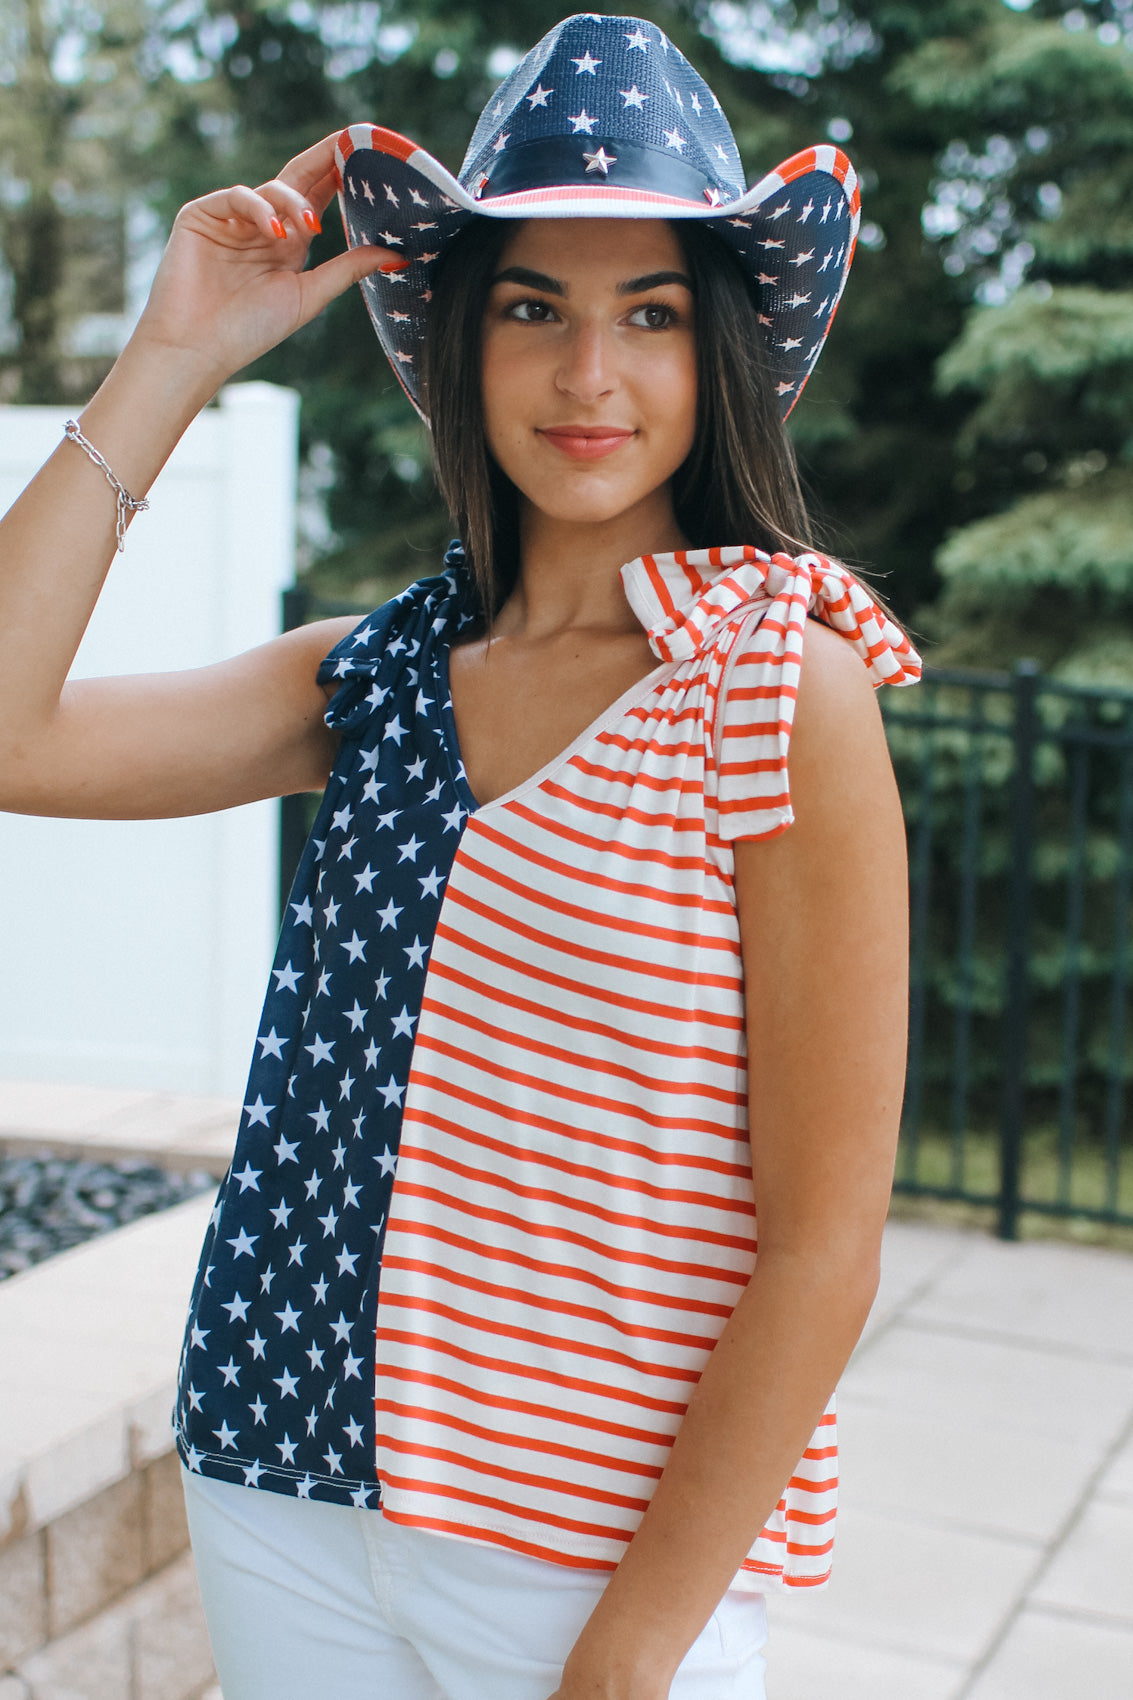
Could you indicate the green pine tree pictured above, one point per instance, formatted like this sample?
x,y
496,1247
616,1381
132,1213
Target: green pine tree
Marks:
x,y
1045,566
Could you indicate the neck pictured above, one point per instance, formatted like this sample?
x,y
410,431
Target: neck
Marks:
x,y
569,574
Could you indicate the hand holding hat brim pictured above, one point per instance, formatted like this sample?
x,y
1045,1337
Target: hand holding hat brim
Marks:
x,y
233,280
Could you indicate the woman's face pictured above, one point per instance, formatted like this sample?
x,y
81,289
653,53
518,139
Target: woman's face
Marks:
x,y
589,365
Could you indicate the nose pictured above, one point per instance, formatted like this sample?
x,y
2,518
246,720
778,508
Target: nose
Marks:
x,y
586,369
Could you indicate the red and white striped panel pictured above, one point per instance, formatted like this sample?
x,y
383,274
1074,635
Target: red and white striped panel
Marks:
x,y
573,1218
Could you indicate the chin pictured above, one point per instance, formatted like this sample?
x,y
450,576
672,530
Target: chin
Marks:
x,y
575,500
579,511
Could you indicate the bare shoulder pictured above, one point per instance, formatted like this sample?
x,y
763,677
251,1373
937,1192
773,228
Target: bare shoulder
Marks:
x,y
803,894
834,683
838,740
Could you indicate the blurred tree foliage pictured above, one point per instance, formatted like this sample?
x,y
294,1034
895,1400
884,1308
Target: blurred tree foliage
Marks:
x,y
75,98
992,139
1044,564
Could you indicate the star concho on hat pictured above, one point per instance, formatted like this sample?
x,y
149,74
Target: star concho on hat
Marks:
x,y
605,118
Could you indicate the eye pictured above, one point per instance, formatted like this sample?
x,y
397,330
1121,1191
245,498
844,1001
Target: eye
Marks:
x,y
533,312
654,316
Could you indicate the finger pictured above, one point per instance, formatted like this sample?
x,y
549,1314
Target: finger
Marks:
x,y
237,204
307,171
323,283
295,211
322,193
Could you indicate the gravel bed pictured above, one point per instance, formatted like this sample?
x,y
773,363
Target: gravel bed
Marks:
x,y
48,1204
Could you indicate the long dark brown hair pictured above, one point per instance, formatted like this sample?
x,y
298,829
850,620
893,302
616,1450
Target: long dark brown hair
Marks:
x,y
739,484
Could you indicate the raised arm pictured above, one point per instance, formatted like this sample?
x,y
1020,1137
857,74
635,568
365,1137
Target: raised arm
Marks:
x,y
822,911
230,286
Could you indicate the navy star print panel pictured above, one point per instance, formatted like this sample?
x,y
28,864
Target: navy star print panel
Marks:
x,y
277,1370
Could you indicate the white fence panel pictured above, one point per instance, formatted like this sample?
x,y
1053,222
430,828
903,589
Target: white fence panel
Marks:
x,y
136,953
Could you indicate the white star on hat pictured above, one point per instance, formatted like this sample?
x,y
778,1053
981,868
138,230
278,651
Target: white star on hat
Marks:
x,y
582,122
634,97
538,96
674,139
586,64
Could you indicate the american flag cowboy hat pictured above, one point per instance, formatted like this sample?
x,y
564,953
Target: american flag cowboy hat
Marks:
x,y
605,118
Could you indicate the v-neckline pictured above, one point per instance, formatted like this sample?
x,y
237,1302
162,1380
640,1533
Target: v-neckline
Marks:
x,y
630,698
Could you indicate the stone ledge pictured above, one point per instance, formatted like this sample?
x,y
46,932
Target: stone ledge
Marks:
x,y
90,1343
57,1578
174,1130
98,1599
151,1644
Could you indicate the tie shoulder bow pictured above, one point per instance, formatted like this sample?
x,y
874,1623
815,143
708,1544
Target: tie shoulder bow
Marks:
x,y
686,600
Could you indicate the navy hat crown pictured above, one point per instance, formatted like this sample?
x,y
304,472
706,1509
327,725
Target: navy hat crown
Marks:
x,y
609,99
605,118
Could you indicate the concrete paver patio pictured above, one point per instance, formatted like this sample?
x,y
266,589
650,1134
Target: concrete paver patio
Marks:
x,y
985,1550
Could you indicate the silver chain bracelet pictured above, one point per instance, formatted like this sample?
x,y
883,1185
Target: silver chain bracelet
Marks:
x,y
126,502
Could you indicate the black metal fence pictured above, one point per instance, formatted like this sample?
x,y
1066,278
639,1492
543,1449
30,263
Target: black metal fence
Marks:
x,y
1018,799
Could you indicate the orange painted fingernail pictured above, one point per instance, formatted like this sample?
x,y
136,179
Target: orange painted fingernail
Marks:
x,y
395,265
311,221
277,226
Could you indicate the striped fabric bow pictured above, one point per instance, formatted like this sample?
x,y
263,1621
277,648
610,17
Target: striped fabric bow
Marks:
x,y
683,600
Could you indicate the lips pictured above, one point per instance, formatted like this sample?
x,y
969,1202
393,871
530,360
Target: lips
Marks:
x,y
586,442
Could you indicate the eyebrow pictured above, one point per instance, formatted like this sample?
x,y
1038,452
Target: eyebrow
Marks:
x,y
653,280
554,286
530,280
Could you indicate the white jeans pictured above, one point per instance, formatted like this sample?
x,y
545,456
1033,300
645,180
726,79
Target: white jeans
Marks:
x,y
308,1601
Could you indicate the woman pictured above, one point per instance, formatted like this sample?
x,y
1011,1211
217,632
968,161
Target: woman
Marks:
x,y
560,784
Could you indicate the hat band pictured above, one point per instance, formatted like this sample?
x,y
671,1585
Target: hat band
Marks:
x,y
558,161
